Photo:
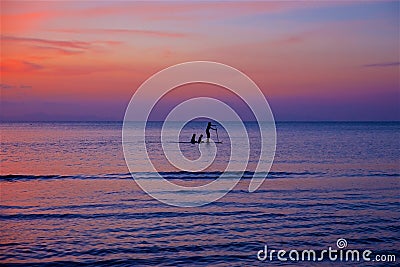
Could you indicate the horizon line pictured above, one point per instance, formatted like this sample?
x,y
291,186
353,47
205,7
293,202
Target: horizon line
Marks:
x,y
121,121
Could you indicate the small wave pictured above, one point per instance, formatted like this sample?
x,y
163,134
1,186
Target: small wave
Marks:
x,y
368,174
216,174
184,175
19,177
167,175
124,216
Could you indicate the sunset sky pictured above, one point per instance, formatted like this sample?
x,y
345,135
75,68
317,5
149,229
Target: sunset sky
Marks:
x,y
83,60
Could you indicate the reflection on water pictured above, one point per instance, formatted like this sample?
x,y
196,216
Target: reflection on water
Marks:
x,y
66,196
83,148
113,221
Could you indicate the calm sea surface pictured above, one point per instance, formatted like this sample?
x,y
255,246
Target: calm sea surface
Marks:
x,y
67,197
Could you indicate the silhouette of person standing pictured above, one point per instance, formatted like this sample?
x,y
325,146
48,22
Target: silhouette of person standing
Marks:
x,y
208,131
193,140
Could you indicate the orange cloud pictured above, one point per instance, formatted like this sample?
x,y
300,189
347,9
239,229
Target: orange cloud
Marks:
x,y
15,65
22,22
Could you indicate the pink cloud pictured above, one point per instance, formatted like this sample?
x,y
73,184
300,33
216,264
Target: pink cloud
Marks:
x,y
382,64
67,44
62,46
123,31
190,11
57,50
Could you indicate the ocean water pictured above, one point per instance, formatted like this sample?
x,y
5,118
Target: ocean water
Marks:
x,y
68,198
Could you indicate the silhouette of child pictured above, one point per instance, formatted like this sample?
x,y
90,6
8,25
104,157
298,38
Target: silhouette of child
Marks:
x,y
200,137
193,140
